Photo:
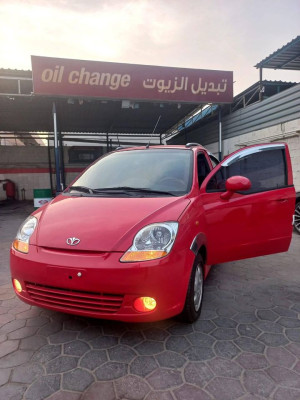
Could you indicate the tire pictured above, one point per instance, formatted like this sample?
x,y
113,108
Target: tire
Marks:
x,y
194,296
297,218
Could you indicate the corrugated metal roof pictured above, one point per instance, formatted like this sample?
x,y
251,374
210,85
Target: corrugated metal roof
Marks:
x,y
34,113
273,90
21,73
22,111
277,109
282,85
287,57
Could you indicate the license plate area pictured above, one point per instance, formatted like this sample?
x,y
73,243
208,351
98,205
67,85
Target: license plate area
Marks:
x,y
60,276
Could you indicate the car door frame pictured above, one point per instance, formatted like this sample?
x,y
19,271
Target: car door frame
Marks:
x,y
242,227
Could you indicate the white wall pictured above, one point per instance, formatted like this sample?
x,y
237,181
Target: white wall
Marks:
x,y
28,168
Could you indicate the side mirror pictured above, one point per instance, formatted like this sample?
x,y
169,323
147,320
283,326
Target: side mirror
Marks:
x,y
235,184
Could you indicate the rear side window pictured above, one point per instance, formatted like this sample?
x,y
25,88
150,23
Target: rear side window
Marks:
x,y
265,169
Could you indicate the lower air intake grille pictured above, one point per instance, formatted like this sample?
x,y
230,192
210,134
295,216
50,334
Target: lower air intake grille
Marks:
x,y
74,300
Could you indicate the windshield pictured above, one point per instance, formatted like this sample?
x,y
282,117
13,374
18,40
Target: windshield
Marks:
x,y
159,171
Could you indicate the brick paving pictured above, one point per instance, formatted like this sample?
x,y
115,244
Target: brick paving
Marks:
x,y
245,346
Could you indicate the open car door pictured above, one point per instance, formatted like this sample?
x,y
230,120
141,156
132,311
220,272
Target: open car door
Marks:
x,y
253,222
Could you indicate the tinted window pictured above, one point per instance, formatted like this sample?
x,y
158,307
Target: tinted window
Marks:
x,y
217,182
203,168
156,169
266,171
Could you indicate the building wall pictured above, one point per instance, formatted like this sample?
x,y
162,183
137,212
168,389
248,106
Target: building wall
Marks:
x,y
273,111
28,168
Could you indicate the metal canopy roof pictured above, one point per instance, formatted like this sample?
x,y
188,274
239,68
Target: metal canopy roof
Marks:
x,y
242,100
21,111
288,57
34,114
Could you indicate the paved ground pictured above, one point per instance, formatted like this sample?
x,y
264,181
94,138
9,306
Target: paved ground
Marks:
x,y
245,346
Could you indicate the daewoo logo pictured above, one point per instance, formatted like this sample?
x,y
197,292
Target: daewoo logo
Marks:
x,y
72,241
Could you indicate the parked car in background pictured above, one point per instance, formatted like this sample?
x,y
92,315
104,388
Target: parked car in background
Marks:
x,y
134,236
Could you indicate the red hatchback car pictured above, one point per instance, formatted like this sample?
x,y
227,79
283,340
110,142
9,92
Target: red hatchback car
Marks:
x,y
134,236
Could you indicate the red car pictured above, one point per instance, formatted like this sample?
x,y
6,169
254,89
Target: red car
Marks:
x,y
134,236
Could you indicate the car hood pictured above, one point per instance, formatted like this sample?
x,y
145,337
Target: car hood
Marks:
x,y
101,223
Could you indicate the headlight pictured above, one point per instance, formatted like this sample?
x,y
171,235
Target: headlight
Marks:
x,y
21,242
153,241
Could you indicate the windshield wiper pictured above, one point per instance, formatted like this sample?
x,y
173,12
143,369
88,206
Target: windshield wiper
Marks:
x,y
82,189
131,189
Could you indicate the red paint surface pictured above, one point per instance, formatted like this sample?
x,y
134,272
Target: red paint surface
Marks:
x,y
58,76
125,216
244,226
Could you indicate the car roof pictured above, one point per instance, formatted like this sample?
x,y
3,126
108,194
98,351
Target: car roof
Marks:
x,y
187,146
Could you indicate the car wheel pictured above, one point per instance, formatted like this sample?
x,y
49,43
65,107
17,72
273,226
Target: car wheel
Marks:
x,y
194,296
297,218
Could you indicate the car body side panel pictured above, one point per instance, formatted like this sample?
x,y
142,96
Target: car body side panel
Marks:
x,y
248,226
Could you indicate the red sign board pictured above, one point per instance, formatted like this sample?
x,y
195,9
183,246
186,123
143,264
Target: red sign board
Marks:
x,y
106,80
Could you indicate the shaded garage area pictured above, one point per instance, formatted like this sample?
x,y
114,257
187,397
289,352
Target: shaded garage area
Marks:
x,y
23,115
105,98
246,344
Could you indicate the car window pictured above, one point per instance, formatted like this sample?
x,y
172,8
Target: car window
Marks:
x,y
202,167
214,160
265,169
167,170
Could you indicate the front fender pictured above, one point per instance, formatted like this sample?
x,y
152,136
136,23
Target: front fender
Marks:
x,y
200,243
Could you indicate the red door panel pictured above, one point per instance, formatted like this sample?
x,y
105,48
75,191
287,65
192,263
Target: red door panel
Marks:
x,y
251,224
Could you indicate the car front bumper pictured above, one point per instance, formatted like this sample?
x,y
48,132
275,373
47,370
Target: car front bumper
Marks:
x,y
98,285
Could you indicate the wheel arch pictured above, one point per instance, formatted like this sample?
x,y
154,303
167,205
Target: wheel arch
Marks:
x,y
199,246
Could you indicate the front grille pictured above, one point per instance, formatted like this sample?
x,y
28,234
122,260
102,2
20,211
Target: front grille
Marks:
x,y
70,300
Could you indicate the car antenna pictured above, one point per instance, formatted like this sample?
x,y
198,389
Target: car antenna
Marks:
x,y
147,146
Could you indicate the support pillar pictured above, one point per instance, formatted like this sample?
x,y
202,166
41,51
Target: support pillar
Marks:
x,y
62,162
50,165
107,143
56,150
220,134
260,85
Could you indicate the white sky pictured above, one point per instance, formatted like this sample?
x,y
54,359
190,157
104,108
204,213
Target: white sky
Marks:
x,y
229,35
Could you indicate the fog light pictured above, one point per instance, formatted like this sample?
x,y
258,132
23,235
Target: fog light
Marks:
x,y
143,304
17,285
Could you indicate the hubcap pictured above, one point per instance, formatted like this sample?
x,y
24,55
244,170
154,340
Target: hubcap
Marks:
x,y
198,287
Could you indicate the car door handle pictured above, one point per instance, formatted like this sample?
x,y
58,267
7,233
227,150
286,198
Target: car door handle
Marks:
x,y
282,200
